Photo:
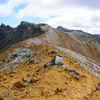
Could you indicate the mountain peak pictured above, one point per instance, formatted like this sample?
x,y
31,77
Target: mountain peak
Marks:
x,y
26,23
3,25
60,27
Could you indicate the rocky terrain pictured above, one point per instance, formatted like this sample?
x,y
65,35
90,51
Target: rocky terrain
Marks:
x,y
76,40
45,63
32,71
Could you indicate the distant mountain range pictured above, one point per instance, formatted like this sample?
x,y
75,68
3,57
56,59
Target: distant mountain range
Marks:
x,y
97,34
75,40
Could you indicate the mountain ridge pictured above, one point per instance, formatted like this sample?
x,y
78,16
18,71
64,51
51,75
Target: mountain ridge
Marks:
x,y
75,40
47,63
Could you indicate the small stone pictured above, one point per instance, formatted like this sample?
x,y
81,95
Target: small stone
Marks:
x,y
36,80
39,68
99,83
66,69
76,77
89,94
34,75
45,92
45,66
27,92
33,61
54,51
49,68
4,79
25,79
19,84
65,93
11,75
97,88
52,92
76,73
28,69
72,70
15,71
59,89
15,88
32,81
28,63
66,83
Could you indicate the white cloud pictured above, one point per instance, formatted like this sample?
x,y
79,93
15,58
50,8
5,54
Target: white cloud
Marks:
x,y
8,8
73,14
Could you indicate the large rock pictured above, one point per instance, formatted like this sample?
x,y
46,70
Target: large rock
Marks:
x,y
57,60
20,84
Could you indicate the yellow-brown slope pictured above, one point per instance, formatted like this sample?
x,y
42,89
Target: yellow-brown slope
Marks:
x,y
50,80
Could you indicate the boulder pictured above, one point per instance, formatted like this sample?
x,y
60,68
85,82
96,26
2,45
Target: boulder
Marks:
x,y
57,60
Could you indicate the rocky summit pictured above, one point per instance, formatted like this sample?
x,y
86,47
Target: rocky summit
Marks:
x,y
38,62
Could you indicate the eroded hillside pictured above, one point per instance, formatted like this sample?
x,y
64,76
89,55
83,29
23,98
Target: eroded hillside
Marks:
x,y
44,72
76,40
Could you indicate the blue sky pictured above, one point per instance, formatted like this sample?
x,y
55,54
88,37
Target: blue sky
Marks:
x,y
73,14
3,1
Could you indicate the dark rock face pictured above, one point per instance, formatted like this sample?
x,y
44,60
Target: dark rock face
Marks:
x,y
25,30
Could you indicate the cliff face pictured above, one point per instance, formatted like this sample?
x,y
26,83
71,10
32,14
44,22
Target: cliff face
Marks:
x,y
75,40
25,30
